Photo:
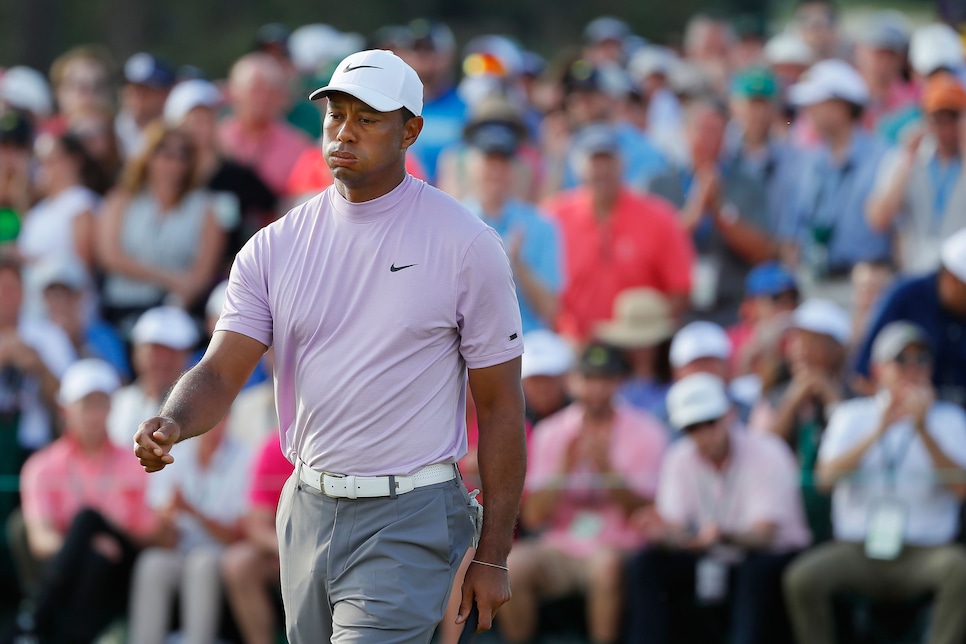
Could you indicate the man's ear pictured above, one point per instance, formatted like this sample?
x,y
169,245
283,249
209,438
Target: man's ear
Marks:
x,y
411,130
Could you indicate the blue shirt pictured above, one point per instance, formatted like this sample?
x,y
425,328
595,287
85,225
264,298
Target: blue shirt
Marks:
x,y
779,169
917,300
540,250
833,194
640,158
443,121
101,340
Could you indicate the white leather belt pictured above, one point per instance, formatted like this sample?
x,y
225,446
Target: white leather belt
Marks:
x,y
368,487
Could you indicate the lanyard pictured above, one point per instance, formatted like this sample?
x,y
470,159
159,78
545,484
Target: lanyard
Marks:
x,y
893,459
709,507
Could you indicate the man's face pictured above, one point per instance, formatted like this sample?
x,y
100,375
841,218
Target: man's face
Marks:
x,y
201,125
63,305
544,394
493,176
157,365
86,419
809,351
912,368
258,97
358,142
601,172
830,117
84,87
595,392
142,102
754,115
710,438
946,126
587,106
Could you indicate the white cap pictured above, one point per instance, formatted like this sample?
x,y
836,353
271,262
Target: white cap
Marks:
x,y
650,60
186,96
827,80
935,46
64,271
953,254
378,78
825,317
26,89
312,46
699,339
86,376
788,49
545,354
165,325
697,398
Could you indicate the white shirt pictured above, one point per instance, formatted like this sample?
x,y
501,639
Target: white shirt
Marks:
x,y
130,406
219,492
932,510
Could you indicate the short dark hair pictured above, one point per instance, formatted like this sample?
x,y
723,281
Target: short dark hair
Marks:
x,y
406,114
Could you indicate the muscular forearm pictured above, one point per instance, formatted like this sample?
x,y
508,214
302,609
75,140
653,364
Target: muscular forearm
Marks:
x,y
503,461
199,400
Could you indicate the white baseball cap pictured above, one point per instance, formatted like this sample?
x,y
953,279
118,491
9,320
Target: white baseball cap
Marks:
x,y
168,326
186,96
788,49
545,354
26,89
697,398
699,339
828,80
825,317
379,78
85,377
953,254
933,47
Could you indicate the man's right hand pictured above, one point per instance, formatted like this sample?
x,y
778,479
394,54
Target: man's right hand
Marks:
x,y
153,442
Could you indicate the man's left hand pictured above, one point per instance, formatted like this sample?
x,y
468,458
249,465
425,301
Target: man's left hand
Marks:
x,y
489,587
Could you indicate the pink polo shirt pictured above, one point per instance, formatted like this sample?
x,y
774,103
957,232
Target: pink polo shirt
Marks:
x,y
62,479
269,472
272,154
584,519
759,484
375,309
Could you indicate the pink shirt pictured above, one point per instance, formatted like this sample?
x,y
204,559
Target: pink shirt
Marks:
x,y
62,479
271,470
760,484
584,519
375,310
272,154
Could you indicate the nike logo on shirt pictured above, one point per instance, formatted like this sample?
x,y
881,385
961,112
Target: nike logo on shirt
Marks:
x,y
394,268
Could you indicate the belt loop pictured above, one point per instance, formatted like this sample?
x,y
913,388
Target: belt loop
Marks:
x,y
351,490
298,475
392,487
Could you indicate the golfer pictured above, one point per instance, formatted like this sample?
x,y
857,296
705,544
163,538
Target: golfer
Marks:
x,y
379,296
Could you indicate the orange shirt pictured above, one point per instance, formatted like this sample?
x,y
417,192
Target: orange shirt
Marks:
x,y
640,244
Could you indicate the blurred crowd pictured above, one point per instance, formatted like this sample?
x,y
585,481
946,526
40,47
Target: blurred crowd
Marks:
x,y
741,267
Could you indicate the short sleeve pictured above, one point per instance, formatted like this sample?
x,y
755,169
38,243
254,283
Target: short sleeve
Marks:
x,y
487,312
672,502
246,308
36,490
841,434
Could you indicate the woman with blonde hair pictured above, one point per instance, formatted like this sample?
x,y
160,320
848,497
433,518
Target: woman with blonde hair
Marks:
x,y
158,239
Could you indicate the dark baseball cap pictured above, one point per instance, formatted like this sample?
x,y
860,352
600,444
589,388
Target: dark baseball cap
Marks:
x,y
599,359
15,129
495,138
149,70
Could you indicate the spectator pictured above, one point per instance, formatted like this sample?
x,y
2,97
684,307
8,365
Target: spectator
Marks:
x,y
771,294
895,461
531,239
162,339
937,303
788,57
33,356
543,374
85,514
650,68
880,56
25,89
797,407
828,230
61,225
16,182
147,81
919,186
604,41
590,466
81,80
250,567
817,23
432,53
202,496
158,239
755,148
95,131
274,39
723,209
66,290
642,328
708,43
614,239
727,506
244,204
255,135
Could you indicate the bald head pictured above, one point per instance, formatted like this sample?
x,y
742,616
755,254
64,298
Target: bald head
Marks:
x,y
257,87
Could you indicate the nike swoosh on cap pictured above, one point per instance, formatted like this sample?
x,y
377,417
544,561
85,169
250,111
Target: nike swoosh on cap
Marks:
x,y
348,68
